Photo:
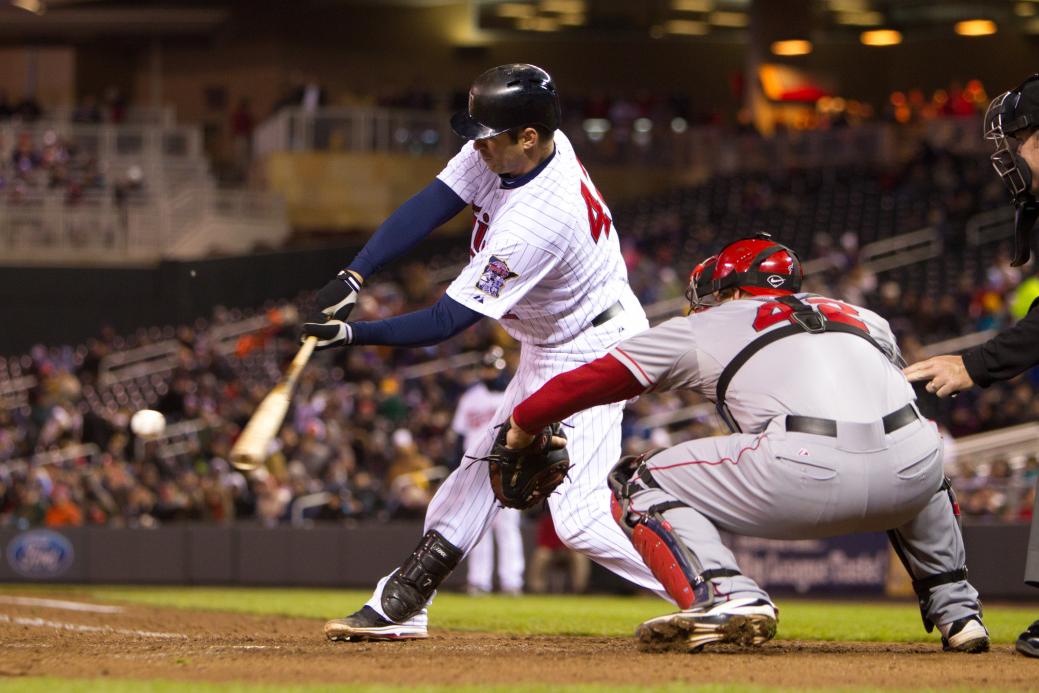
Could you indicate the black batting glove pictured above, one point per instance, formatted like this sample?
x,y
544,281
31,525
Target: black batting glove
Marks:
x,y
338,297
334,333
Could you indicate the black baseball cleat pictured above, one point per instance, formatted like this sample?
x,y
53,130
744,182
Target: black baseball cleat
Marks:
x,y
966,634
741,621
367,624
1028,642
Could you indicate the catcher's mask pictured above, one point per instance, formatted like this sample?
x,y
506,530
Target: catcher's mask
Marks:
x,y
1010,115
757,266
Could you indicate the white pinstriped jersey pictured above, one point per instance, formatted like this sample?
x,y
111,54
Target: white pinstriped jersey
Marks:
x,y
476,409
545,259
832,375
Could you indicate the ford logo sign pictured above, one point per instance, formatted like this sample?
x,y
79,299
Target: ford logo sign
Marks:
x,y
40,553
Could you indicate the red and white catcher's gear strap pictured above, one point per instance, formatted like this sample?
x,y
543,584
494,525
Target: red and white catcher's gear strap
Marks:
x,y
672,563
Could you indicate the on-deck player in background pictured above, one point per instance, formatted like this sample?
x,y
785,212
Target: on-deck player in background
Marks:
x,y
1012,125
545,261
827,440
474,415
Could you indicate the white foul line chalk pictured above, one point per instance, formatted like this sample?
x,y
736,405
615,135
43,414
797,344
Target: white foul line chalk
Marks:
x,y
81,628
60,604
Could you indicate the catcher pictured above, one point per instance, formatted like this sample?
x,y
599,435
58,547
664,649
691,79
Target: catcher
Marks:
x,y
826,440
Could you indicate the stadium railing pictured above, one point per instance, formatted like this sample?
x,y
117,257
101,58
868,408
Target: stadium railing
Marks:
x,y
709,148
60,456
146,194
990,226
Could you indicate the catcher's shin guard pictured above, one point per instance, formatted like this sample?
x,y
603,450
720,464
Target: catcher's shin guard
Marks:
x,y
413,585
924,584
670,560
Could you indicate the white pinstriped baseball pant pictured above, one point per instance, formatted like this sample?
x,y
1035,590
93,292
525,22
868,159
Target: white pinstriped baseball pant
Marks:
x,y
464,506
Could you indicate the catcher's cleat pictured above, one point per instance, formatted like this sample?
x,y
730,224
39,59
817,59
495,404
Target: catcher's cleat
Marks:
x,y
1028,642
741,621
367,624
965,634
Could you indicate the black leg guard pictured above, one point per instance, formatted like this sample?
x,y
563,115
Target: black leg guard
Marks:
x,y
924,584
412,586
672,562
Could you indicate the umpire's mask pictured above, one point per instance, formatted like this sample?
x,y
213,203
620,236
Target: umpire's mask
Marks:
x,y
1010,116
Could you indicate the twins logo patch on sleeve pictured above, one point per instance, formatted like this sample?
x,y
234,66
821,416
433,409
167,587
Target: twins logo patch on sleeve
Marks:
x,y
494,276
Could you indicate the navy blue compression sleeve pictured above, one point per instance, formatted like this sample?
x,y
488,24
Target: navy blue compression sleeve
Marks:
x,y
409,224
445,318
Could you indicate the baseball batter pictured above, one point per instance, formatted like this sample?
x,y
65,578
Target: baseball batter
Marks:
x,y
475,414
827,440
545,262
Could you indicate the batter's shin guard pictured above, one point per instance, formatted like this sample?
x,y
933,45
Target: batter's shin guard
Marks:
x,y
670,560
412,586
923,585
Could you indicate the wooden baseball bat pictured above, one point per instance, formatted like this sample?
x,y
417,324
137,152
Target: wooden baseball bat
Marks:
x,y
250,450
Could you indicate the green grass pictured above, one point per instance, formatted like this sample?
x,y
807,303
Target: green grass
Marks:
x,y
556,615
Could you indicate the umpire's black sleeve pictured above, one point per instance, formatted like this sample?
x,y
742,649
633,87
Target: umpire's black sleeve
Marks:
x,y
1008,353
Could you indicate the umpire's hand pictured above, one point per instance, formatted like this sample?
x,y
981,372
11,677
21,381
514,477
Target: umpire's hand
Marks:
x,y
945,375
334,333
337,298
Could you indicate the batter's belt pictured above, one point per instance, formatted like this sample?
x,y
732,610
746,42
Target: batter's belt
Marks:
x,y
608,314
828,427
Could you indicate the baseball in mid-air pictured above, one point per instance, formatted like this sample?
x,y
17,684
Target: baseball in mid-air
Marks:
x,y
147,423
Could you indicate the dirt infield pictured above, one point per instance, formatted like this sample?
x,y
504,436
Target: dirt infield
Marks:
x,y
136,642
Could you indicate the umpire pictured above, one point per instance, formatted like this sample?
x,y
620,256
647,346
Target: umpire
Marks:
x,y
1012,125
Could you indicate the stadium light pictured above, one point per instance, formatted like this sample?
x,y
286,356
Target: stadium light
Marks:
x,y
730,19
35,6
686,27
692,5
975,27
792,47
570,7
881,37
860,18
849,5
516,10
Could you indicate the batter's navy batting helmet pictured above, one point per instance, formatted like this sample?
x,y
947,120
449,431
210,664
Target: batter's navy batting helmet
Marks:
x,y
507,97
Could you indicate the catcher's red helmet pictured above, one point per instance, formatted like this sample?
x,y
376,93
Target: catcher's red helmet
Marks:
x,y
758,266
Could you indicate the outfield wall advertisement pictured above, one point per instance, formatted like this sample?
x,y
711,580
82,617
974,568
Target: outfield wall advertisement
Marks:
x,y
325,555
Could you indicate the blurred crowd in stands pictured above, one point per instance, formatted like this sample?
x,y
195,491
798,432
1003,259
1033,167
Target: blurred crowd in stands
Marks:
x,y
111,108
622,108
40,161
369,436
44,162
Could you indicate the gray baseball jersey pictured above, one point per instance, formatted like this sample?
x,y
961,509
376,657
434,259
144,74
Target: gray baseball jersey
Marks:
x,y
796,375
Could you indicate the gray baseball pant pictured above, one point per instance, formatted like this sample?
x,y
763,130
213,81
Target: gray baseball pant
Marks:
x,y
787,485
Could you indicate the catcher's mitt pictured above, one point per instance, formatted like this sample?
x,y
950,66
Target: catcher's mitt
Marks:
x,y
523,477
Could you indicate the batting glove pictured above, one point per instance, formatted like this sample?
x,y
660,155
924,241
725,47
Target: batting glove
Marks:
x,y
338,297
334,333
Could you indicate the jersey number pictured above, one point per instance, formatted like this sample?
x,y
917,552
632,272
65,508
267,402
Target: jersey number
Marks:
x,y
773,312
598,221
